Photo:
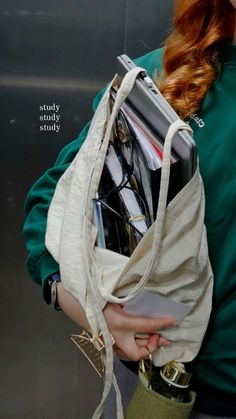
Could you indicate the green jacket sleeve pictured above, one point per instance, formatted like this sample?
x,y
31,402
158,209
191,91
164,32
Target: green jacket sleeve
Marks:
x,y
40,264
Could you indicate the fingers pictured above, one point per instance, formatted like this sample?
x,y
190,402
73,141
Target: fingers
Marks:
x,y
142,341
153,342
135,352
136,349
147,325
123,327
164,342
158,340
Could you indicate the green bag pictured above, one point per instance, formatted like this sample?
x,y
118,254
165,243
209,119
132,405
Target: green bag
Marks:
x,y
148,404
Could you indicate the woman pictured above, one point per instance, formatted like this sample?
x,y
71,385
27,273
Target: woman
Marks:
x,y
199,81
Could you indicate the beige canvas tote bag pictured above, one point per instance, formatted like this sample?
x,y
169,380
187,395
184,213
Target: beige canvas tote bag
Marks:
x,y
171,259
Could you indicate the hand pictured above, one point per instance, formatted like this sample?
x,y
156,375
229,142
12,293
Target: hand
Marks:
x,y
123,327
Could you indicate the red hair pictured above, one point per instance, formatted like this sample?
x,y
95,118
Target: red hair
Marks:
x,y
191,58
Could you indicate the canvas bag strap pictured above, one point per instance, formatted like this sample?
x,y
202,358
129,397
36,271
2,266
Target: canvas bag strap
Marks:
x,y
125,88
176,126
122,93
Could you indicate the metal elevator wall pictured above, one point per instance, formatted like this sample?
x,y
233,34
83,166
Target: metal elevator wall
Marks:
x,y
62,52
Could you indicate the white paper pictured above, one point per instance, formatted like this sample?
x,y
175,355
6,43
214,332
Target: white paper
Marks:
x,y
150,304
153,159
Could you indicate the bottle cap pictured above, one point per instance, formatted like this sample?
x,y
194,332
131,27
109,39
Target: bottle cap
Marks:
x,y
175,373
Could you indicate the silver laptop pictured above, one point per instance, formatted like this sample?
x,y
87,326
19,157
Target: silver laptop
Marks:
x,y
148,102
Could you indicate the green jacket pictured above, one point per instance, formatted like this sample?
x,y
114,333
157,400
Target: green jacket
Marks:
x,y
214,129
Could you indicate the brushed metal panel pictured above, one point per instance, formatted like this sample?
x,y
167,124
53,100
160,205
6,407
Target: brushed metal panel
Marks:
x,y
147,25
66,38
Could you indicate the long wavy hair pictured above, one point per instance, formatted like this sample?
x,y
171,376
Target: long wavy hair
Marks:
x,y
191,57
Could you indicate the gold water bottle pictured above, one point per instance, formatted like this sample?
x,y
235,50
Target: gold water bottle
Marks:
x,y
172,381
